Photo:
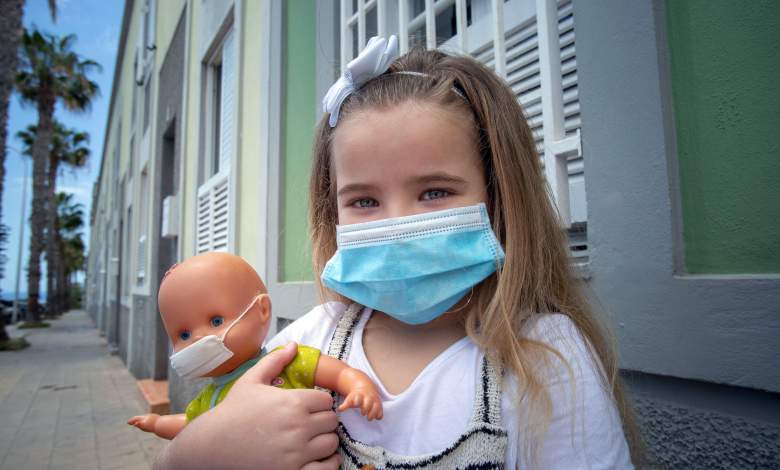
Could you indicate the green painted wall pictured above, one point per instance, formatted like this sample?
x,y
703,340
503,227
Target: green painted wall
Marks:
x,y
299,121
725,69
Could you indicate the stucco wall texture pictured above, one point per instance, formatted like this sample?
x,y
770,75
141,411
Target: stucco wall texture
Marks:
x,y
300,119
724,69
685,437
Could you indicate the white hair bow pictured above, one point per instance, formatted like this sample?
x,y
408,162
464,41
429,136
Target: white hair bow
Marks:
x,y
373,61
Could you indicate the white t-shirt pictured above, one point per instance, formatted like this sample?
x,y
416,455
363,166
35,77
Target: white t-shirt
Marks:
x,y
435,409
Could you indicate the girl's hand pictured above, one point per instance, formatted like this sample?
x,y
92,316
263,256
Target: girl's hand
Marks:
x,y
144,422
367,399
260,426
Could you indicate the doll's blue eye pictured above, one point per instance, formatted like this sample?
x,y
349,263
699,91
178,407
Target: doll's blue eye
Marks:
x,y
217,321
184,335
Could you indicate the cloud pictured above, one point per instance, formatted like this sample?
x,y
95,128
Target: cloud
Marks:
x,y
107,41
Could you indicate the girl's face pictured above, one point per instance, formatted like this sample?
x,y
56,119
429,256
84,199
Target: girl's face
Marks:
x,y
406,160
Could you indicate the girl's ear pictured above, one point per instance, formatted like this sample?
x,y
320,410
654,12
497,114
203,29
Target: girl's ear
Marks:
x,y
264,302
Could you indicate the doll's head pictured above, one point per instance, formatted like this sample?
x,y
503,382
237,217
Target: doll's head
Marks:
x,y
205,295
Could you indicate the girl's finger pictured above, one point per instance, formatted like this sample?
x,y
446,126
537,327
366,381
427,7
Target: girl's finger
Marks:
x,y
321,446
270,366
323,422
314,400
331,463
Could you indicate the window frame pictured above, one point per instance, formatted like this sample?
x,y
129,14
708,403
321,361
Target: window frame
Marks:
x,y
211,176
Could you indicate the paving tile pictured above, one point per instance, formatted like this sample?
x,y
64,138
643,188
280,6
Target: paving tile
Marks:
x,y
65,401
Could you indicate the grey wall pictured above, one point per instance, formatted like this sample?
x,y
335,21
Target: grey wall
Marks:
x,y
692,424
149,354
167,168
123,337
139,363
717,328
713,329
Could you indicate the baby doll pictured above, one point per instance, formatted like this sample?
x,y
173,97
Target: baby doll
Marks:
x,y
216,311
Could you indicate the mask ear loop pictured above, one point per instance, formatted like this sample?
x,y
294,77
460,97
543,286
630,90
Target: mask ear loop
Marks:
x,y
471,294
246,310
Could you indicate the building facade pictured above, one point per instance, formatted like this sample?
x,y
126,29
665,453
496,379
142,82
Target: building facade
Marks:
x,y
652,118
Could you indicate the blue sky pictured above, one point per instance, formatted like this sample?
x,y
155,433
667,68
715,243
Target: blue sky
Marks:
x,y
96,23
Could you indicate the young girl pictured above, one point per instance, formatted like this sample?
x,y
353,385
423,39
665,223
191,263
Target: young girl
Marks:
x,y
447,280
404,169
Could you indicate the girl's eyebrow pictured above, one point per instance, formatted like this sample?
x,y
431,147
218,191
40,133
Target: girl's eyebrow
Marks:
x,y
353,188
436,177
439,177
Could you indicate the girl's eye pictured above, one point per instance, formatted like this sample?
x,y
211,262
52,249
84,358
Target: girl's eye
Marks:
x,y
184,335
217,321
434,194
364,203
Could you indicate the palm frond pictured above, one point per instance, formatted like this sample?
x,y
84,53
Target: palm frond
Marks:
x,y
49,67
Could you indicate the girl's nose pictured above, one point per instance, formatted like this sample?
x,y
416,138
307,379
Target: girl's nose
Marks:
x,y
398,203
404,209
398,211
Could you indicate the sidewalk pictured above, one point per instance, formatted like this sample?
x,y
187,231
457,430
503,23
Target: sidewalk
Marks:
x,y
64,402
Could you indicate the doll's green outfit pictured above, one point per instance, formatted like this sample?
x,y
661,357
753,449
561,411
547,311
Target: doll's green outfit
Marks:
x,y
298,374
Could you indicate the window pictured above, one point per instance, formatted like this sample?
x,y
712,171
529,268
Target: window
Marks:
x,y
131,163
138,76
126,237
115,164
219,121
143,215
145,64
147,104
148,29
216,116
534,53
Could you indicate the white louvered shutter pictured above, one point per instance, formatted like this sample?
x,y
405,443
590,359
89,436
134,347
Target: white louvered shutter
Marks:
x,y
227,123
517,22
213,230
213,214
571,110
203,233
523,76
141,260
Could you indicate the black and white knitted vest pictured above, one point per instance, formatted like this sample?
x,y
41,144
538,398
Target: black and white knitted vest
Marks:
x,y
481,446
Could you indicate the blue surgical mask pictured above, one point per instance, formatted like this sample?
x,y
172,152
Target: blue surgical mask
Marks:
x,y
417,267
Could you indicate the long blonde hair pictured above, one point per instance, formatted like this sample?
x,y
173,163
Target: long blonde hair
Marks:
x,y
536,276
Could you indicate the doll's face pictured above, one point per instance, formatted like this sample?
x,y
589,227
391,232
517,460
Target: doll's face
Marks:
x,y
205,295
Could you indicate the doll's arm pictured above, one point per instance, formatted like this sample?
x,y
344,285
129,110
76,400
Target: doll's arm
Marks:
x,y
166,426
351,383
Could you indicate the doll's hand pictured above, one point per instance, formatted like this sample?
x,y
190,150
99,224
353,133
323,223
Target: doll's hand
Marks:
x,y
144,422
367,399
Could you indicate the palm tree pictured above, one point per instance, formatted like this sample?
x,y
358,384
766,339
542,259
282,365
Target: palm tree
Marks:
x,y
71,149
10,33
68,147
50,71
71,220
